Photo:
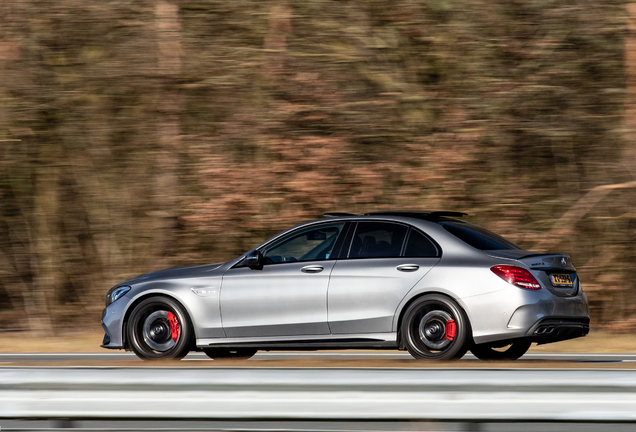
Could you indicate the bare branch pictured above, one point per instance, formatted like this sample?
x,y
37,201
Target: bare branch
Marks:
x,y
565,225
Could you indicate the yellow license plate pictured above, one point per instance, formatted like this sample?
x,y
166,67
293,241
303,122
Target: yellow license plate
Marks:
x,y
561,279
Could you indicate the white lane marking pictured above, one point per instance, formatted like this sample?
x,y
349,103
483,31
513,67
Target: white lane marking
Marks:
x,y
318,354
580,354
64,354
197,356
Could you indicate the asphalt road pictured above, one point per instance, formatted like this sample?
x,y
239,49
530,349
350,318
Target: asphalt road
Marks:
x,y
7,359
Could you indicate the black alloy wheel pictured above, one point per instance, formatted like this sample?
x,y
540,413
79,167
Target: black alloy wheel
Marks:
x,y
434,327
501,352
226,354
159,328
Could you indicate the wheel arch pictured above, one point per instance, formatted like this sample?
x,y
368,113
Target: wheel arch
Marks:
x,y
147,295
418,296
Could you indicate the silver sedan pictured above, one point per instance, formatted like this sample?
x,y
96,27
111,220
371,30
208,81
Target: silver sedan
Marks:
x,y
426,282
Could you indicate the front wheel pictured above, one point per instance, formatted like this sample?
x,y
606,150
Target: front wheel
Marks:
x,y
224,354
498,352
434,327
159,328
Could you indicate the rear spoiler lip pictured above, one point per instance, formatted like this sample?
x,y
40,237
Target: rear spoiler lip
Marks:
x,y
526,257
531,255
511,253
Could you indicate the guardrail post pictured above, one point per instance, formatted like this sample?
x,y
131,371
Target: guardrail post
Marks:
x,y
64,424
473,427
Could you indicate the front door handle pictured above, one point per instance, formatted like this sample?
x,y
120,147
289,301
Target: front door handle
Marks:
x,y
408,267
312,269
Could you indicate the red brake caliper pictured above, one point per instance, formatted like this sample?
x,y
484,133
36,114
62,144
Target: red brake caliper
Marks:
x,y
451,330
174,326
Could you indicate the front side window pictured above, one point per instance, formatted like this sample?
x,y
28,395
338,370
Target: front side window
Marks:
x,y
309,244
377,239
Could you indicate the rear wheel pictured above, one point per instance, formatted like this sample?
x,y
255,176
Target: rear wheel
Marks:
x,y
237,354
499,352
434,327
159,328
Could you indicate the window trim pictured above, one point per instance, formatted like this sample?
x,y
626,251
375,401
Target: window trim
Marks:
x,y
354,227
343,239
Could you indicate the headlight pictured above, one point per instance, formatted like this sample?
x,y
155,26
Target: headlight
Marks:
x,y
116,293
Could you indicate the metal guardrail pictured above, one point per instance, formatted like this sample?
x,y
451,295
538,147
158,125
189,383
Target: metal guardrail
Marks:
x,y
463,395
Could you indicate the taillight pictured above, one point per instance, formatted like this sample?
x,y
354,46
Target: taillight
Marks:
x,y
516,276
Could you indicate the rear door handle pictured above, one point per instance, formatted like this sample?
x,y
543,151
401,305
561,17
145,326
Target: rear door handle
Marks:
x,y
312,269
408,267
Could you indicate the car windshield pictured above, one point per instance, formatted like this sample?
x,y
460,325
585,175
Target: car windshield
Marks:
x,y
477,237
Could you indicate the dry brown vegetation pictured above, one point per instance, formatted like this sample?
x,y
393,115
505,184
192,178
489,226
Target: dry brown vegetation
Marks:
x,y
146,134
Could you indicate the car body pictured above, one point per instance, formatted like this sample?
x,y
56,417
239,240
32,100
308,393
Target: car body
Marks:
x,y
427,282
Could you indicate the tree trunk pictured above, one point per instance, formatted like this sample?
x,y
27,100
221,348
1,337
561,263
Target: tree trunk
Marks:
x,y
45,243
168,26
629,119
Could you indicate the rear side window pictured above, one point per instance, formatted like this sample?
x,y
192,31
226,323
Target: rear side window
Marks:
x,y
477,237
377,240
418,245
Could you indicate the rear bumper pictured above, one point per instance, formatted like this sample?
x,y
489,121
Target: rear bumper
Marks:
x,y
555,329
522,312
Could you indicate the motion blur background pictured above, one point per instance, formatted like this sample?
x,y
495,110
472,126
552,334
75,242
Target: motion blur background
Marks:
x,y
138,135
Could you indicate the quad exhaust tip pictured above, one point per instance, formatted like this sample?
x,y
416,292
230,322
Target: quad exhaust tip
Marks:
x,y
544,330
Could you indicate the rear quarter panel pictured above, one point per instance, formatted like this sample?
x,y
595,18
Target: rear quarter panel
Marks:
x,y
463,274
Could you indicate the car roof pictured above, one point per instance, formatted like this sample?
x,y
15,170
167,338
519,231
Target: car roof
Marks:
x,y
424,215
431,218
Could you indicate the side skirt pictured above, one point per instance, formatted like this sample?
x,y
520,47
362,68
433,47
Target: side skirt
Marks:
x,y
375,340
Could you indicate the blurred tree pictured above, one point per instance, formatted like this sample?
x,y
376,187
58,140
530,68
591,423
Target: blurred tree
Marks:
x,y
138,135
169,107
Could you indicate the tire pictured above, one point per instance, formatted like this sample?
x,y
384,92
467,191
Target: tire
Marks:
x,y
497,352
434,327
222,354
159,328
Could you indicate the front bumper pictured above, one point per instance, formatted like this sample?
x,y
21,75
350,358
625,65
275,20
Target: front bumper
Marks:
x,y
112,323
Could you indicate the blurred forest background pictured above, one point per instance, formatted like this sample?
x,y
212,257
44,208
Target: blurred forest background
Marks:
x,y
138,135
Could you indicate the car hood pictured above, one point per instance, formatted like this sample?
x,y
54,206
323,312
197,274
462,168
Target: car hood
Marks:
x,y
176,273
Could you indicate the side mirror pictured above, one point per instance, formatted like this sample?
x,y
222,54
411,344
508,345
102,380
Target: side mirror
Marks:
x,y
254,259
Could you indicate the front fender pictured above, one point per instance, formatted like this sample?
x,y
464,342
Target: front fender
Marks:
x,y
200,301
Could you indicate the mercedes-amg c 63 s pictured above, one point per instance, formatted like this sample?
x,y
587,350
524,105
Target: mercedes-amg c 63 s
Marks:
x,y
426,282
